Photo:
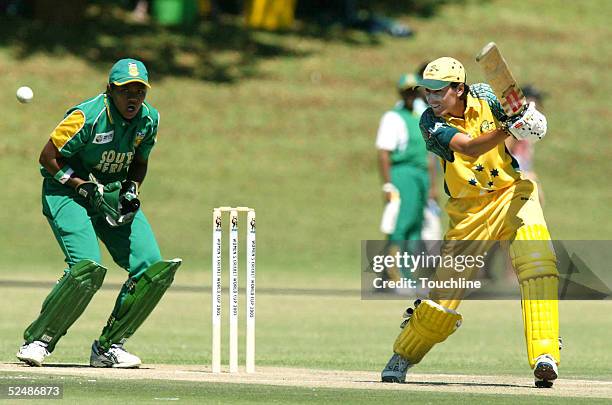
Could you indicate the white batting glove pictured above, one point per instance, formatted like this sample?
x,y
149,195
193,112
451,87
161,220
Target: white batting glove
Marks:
x,y
389,188
531,125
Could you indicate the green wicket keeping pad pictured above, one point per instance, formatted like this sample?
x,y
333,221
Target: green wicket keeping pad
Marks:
x,y
65,303
137,299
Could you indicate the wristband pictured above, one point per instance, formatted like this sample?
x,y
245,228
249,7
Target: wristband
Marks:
x,y
64,174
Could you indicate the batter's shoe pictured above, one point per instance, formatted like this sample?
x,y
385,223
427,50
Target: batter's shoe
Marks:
x,y
33,353
545,371
116,357
395,370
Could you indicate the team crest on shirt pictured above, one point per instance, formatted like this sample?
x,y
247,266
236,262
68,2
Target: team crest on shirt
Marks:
x,y
133,69
104,137
139,137
486,126
437,126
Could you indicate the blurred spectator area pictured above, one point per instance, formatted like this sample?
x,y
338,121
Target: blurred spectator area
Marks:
x,y
216,40
267,14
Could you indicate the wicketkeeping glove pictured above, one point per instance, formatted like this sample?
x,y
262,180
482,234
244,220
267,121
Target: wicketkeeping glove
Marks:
x,y
127,203
99,196
530,125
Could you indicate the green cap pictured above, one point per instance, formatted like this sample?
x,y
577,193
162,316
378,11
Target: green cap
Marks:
x,y
126,71
442,72
407,81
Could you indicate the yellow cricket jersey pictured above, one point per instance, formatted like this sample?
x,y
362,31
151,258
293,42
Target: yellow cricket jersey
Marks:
x,y
466,176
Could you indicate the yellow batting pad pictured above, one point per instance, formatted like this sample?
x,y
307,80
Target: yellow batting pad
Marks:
x,y
534,260
532,232
431,323
68,128
541,318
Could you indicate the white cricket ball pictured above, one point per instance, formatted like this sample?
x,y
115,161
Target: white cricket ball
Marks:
x,y
25,94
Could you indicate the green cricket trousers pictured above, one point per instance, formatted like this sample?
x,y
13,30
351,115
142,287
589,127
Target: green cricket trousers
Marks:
x,y
77,230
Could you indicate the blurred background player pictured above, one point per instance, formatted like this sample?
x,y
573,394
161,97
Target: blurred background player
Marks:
x,y
420,103
92,166
432,226
489,201
402,162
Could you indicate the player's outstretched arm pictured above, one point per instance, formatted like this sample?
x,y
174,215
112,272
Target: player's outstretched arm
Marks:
x,y
474,147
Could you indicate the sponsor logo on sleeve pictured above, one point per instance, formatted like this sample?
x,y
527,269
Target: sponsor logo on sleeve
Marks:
x,y
104,137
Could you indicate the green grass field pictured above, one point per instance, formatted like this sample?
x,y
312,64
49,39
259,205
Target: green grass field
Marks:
x,y
137,391
353,335
295,140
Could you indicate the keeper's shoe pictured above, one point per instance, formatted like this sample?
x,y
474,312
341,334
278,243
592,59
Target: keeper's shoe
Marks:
x,y
116,357
545,371
33,353
395,370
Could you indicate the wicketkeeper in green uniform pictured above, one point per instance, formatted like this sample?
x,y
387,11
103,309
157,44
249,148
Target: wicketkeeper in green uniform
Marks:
x,y
93,165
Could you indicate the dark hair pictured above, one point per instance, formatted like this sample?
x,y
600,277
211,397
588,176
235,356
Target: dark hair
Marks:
x,y
421,69
409,91
466,89
530,91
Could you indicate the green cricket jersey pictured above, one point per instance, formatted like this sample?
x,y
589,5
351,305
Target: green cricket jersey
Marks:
x,y
94,138
415,153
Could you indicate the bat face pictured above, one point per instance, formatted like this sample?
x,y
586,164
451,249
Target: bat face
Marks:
x,y
500,78
512,100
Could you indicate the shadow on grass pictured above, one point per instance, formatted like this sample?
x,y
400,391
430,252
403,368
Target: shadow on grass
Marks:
x,y
49,365
448,384
219,51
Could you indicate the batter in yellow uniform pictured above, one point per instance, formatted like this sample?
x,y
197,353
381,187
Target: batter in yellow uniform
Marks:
x,y
489,200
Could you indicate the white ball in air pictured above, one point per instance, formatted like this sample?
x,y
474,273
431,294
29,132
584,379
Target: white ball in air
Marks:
x,y
25,94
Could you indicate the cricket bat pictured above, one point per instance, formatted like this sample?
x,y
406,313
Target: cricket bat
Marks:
x,y
499,77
